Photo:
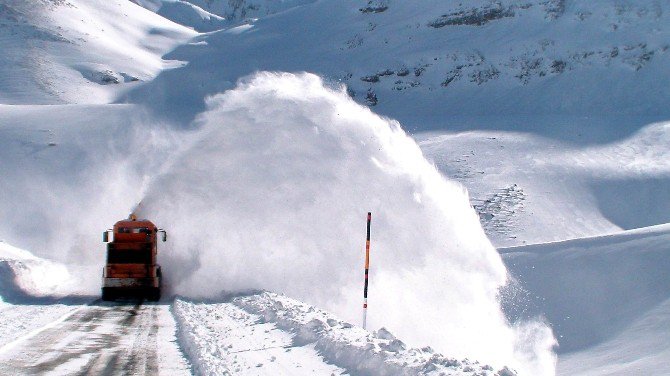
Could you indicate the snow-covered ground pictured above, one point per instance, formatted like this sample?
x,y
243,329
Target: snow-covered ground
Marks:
x,y
265,333
501,59
65,51
551,113
607,299
253,333
523,184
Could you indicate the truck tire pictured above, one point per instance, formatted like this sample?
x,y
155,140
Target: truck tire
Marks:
x,y
107,294
154,294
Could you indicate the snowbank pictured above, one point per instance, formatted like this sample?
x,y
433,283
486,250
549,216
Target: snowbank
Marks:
x,y
22,276
608,299
272,193
353,348
218,345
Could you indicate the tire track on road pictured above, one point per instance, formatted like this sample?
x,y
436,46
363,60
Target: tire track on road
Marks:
x,y
100,339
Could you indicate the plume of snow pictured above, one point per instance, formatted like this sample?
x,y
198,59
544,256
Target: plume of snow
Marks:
x,y
272,190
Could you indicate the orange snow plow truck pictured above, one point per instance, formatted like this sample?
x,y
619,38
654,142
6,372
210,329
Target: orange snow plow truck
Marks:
x,y
131,269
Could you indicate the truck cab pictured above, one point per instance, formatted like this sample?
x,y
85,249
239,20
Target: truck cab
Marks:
x,y
131,269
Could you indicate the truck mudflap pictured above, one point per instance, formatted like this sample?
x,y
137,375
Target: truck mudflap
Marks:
x,y
131,282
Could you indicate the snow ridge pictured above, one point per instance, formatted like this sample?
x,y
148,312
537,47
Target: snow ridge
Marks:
x,y
202,360
339,343
24,277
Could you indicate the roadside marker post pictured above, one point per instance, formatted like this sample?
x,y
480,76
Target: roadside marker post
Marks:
x,y
367,269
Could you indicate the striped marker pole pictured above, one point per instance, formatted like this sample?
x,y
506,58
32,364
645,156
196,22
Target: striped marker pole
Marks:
x,y
367,268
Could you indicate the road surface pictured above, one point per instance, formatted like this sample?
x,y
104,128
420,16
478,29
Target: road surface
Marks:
x,y
100,339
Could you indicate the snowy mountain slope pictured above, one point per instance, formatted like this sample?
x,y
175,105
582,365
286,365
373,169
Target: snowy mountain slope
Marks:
x,y
558,160
575,91
523,185
188,14
185,13
606,297
245,10
543,30
530,58
639,349
80,51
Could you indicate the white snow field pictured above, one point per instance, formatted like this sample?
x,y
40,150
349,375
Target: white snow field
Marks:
x,y
297,217
521,184
83,52
607,299
540,127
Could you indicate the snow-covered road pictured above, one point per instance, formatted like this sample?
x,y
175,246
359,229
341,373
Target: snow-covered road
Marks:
x,y
99,339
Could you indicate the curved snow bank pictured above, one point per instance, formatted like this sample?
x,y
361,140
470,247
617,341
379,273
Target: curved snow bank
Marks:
x,y
354,348
272,194
23,275
608,299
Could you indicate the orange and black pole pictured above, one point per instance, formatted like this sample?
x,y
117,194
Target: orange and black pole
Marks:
x,y
367,269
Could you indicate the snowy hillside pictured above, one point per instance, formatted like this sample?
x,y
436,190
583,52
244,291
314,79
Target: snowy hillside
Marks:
x,y
396,57
607,298
80,52
540,126
524,185
423,62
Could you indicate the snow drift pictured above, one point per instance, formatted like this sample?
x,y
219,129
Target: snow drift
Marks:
x,y
221,338
57,199
272,193
620,277
24,276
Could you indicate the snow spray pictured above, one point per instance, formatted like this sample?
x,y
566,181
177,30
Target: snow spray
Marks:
x,y
367,269
298,151
56,201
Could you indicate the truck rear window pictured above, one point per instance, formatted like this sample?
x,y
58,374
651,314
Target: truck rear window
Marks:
x,y
134,230
129,256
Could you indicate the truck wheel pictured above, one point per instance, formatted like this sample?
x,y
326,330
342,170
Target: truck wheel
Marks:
x,y
107,295
154,295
